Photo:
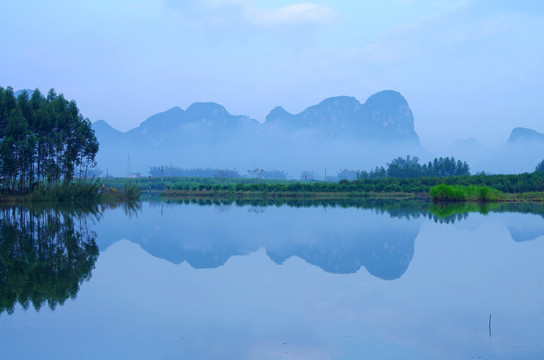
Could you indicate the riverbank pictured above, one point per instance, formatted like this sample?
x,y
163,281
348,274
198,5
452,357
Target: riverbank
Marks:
x,y
479,194
247,195
485,195
74,192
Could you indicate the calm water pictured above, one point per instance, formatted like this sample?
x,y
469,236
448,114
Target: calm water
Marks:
x,y
174,281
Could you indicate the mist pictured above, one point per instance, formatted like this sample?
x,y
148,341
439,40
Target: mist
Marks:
x,y
338,133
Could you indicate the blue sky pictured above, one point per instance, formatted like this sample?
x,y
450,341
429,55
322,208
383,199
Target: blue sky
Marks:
x,y
467,68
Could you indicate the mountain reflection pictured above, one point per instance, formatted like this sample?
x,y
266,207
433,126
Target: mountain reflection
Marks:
x,y
338,240
385,253
338,236
45,255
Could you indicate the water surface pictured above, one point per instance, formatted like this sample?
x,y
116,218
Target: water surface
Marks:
x,y
178,281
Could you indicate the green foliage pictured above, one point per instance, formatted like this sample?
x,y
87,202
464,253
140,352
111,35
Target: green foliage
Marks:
x,y
410,168
511,184
483,193
444,192
43,141
131,191
73,192
460,193
188,183
532,185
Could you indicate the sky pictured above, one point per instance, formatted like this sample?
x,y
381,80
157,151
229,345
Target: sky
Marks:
x,y
468,69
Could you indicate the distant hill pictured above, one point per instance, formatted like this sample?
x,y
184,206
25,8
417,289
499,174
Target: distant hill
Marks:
x,y
521,153
22,91
337,133
520,134
470,150
385,116
103,130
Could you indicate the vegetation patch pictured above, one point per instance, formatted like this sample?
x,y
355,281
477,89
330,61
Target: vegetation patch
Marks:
x,y
43,141
76,192
235,195
460,193
79,191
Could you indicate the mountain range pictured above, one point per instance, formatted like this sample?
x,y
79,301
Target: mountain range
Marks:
x,y
338,133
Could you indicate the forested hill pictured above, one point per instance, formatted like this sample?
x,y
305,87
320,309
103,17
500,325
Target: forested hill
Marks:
x,y
339,132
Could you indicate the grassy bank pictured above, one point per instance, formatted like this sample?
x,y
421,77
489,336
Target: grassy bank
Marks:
x,y
460,193
438,193
477,188
511,184
245,194
479,194
75,192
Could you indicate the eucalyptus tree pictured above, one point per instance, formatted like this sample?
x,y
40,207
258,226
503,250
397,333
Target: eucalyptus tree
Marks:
x,y
42,140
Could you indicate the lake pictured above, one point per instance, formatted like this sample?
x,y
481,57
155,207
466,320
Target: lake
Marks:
x,y
225,281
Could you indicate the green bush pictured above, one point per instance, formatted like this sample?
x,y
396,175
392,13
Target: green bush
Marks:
x,y
445,192
131,191
73,191
489,194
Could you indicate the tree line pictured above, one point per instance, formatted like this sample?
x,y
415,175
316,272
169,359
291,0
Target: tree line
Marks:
x,y
410,167
527,182
43,140
172,171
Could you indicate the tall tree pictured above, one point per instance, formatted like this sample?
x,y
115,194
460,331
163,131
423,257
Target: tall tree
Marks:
x,y
42,140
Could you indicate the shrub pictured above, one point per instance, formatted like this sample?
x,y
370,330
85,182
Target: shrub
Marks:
x,y
131,191
445,192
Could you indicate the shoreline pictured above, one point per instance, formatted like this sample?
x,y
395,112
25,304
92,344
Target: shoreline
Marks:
x,y
532,197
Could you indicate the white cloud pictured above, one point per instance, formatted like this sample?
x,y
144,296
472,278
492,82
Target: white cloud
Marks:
x,y
244,16
215,4
303,13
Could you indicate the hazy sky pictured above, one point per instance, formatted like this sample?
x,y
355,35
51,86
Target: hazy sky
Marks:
x,y
467,68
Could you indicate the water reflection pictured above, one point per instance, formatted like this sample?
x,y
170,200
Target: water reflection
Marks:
x,y
452,212
404,208
45,255
139,306
339,236
524,221
337,240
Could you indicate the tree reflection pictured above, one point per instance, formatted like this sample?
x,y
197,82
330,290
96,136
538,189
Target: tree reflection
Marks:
x,y
45,255
404,208
452,212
